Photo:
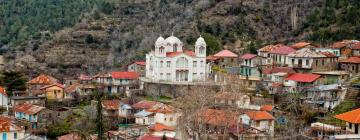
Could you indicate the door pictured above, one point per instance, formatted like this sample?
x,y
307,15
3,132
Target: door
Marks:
x,y
299,63
4,136
356,128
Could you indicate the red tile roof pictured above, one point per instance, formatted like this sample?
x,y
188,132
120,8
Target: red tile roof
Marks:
x,y
269,48
303,77
225,53
341,44
150,137
353,59
162,108
279,69
351,116
56,84
161,127
84,77
328,54
6,125
356,46
125,75
259,115
28,108
266,108
300,45
144,104
248,56
72,88
285,50
2,91
111,104
218,117
43,79
173,54
274,85
142,63
211,58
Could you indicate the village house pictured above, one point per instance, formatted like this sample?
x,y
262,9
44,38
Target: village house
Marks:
x,y
352,121
9,130
274,78
249,65
260,120
263,52
351,64
143,117
279,55
325,97
111,108
29,115
333,77
118,82
308,60
160,130
343,47
35,100
151,137
4,98
356,49
226,58
235,100
299,82
138,67
170,63
53,92
42,80
165,114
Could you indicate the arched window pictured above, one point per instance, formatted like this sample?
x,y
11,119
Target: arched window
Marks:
x,y
182,62
161,50
202,50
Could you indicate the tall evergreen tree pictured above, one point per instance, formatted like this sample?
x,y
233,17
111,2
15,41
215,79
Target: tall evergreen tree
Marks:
x,y
99,116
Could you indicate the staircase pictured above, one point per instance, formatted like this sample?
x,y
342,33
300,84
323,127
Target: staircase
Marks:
x,y
352,93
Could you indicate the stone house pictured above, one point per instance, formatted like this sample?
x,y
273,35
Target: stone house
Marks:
x,y
351,64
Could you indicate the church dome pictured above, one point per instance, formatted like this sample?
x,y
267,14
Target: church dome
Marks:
x,y
200,42
173,40
159,41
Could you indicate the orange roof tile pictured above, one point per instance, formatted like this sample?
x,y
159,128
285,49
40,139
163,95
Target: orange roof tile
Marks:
x,y
125,75
163,108
341,44
225,53
28,108
351,116
259,115
6,125
269,48
211,58
266,108
72,88
303,77
43,79
248,56
56,84
218,117
353,59
285,50
144,104
300,45
111,104
2,91
161,127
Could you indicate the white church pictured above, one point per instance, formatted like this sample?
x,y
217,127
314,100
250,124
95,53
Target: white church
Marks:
x,y
170,63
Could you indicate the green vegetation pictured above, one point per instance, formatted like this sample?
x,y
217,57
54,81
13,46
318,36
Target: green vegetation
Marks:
x,y
13,81
213,45
337,20
22,19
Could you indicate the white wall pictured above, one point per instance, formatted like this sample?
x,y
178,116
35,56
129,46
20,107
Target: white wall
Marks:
x,y
4,100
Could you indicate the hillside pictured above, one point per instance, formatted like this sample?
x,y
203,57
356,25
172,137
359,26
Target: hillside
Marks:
x,y
106,40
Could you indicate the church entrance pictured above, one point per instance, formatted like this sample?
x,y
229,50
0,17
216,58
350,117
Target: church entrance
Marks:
x,y
182,75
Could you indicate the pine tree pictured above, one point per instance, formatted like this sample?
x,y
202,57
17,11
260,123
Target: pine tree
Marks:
x,y
99,116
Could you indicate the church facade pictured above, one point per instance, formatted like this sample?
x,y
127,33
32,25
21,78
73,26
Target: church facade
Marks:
x,y
170,63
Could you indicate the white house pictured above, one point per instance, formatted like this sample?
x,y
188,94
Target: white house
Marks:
x,y
300,81
9,130
4,98
169,62
260,120
165,114
144,118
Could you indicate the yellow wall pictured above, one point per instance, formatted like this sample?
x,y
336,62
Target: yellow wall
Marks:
x,y
54,92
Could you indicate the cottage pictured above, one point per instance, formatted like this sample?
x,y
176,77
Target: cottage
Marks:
x,y
276,75
160,130
356,49
298,82
165,114
118,82
309,60
42,80
279,55
4,98
30,114
138,67
351,64
266,59
111,108
249,65
352,120
9,130
125,110
260,120
53,91
325,97
144,117
343,47
226,58
333,77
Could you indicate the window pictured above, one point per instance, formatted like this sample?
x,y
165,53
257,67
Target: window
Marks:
x,y
257,123
194,64
350,125
168,64
161,64
293,61
161,50
202,50
15,135
164,119
307,62
316,62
